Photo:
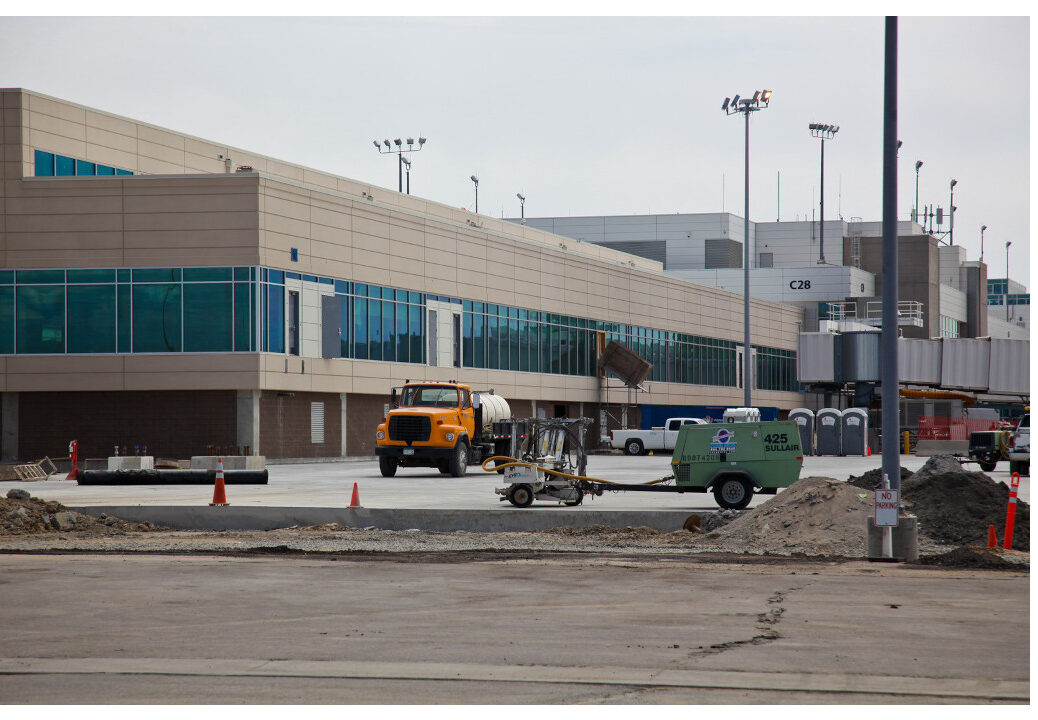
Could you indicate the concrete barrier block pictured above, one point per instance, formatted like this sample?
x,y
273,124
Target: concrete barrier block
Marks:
x,y
230,462
131,462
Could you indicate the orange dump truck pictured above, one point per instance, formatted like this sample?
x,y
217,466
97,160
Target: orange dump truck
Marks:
x,y
444,425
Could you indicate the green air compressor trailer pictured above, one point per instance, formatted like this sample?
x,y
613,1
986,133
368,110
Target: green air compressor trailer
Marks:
x,y
733,460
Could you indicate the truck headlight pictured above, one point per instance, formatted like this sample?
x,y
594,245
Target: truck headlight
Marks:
x,y
380,435
449,436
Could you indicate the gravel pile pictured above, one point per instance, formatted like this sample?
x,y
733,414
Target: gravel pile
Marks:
x,y
873,479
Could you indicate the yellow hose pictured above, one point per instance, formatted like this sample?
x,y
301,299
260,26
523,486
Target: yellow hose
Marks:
x,y
512,462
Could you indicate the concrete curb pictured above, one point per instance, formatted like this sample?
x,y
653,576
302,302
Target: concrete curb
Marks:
x,y
270,518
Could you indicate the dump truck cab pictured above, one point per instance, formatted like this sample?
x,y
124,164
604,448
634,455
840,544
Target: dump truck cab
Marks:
x,y
736,459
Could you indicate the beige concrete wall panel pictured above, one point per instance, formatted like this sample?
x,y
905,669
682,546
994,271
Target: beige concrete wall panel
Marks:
x,y
190,221
148,135
190,185
63,205
61,144
173,157
406,280
69,382
192,203
365,224
108,156
79,222
364,273
207,150
192,362
407,253
55,125
154,166
320,179
96,137
189,256
178,239
190,381
64,242
109,123
283,169
37,258
290,227
291,205
337,218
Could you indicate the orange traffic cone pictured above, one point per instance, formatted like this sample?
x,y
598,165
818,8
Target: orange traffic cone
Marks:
x,y
219,495
73,449
992,537
355,500
869,452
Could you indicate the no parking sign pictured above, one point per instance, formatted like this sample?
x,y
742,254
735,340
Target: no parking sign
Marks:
x,y
886,508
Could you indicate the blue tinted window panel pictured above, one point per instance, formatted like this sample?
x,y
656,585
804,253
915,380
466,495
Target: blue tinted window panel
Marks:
x,y
242,273
43,164
123,276
243,317
6,277
275,318
345,326
123,316
40,320
290,275
309,278
6,320
214,274
374,330
402,337
40,277
119,171
91,277
157,275
105,170
156,318
276,277
91,319
415,330
388,331
360,328
208,317
64,166
85,168
342,287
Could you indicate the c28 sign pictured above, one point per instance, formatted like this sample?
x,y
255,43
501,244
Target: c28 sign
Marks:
x,y
799,284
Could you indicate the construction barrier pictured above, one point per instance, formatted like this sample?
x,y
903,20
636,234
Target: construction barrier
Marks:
x,y
219,494
1007,542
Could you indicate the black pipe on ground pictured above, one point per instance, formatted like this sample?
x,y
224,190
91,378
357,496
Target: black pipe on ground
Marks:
x,y
170,477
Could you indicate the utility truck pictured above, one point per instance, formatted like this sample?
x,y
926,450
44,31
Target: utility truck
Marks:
x,y
639,442
444,425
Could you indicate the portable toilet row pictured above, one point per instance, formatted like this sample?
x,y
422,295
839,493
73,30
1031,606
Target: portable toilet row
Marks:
x,y
832,431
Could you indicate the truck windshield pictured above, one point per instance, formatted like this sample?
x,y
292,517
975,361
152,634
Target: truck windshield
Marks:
x,y
429,396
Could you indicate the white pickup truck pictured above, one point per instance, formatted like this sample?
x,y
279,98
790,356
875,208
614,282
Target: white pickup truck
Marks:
x,y
639,442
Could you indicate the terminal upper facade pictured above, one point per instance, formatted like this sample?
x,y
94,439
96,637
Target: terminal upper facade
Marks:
x,y
159,290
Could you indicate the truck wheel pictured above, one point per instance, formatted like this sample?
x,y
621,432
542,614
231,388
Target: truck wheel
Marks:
x,y
988,466
1014,466
576,501
634,447
387,465
459,461
521,495
733,493
443,466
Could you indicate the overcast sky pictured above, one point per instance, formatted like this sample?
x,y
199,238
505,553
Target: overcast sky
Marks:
x,y
585,116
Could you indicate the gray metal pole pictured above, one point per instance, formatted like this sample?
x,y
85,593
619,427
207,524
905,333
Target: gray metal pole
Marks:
x,y
747,353
400,172
888,338
821,210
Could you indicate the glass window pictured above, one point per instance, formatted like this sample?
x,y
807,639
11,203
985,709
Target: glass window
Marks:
x,y
156,318
275,312
374,330
6,320
124,315
160,275
40,277
493,359
466,339
64,166
43,164
105,170
91,277
84,168
6,277
402,338
389,331
91,319
276,277
214,274
415,325
41,319
122,172
360,328
479,340
345,345
208,317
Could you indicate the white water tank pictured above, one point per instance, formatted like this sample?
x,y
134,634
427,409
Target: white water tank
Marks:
x,y
495,409
732,415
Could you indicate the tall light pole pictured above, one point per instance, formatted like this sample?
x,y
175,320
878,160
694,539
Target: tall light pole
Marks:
x,y
823,133
400,150
951,218
475,181
982,229
1008,243
915,208
407,164
732,106
522,207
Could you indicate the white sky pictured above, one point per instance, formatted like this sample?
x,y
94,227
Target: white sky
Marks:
x,y
584,115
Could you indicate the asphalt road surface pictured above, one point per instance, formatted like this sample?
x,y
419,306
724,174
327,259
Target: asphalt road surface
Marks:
x,y
514,629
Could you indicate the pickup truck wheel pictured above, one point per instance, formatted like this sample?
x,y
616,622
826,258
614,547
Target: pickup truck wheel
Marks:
x,y
387,465
444,467
459,461
733,493
634,447
988,466
521,495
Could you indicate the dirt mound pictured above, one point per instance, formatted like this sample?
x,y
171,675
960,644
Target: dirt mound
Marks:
x,y
814,516
956,507
938,465
873,479
21,514
969,557
590,530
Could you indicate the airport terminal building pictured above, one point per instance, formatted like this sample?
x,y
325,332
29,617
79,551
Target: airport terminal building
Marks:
x,y
165,292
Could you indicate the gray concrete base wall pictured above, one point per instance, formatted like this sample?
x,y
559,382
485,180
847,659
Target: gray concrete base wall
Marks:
x,y
925,448
505,520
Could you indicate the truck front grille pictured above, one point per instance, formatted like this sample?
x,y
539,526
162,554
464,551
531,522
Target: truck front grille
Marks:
x,y
409,428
